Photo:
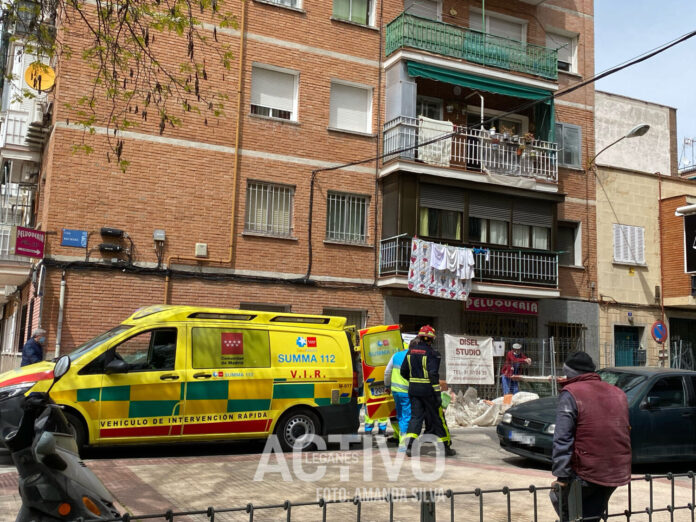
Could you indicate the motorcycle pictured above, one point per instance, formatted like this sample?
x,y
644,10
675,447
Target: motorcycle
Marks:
x,y
54,483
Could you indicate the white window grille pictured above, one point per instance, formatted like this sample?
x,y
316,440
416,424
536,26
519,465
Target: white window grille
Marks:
x,y
350,108
357,11
269,209
629,244
273,93
566,47
569,139
5,232
346,217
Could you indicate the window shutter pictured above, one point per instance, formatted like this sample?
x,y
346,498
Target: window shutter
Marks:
x,y
486,206
563,44
423,8
359,12
444,198
535,213
349,108
341,9
506,29
618,243
272,89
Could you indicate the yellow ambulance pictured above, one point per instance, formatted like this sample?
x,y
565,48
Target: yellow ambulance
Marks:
x,y
181,373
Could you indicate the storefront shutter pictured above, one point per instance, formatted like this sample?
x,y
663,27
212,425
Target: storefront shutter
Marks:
x,y
489,206
444,198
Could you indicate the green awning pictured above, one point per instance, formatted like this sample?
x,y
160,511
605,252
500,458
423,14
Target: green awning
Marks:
x,y
543,112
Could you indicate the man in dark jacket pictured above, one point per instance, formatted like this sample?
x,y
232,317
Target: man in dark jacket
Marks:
x,y
591,441
32,351
421,368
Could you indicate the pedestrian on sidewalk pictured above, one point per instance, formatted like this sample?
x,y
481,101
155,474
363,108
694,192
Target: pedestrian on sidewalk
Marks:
x,y
591,441
32,351
398,386
421,368
515,361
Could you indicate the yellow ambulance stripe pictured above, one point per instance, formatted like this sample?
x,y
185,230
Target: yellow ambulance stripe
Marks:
x,y
161,392
249,389
115,409
205,406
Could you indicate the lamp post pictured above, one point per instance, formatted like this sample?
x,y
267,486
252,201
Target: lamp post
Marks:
x,y
638,130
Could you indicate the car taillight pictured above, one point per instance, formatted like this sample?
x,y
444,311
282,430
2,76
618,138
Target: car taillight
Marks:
x,y
64,509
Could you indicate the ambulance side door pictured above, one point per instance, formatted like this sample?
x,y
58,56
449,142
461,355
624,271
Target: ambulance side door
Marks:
x,y
141,391
377,345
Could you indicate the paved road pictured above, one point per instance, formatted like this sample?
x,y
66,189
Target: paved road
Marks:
x,y
192,477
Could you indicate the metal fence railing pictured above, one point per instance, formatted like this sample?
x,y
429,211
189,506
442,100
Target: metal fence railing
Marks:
x,y
475,504
477,150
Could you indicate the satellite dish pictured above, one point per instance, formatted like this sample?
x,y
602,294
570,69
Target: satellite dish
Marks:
x,y
40,77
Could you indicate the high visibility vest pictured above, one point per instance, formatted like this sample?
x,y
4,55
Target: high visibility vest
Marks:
x,y
398,383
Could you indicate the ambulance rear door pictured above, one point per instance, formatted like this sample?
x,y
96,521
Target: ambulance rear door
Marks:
x,y
377,345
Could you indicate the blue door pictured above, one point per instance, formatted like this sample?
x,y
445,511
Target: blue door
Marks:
x,y
626,342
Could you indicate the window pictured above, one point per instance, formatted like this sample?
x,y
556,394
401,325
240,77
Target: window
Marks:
x,y
567,337
429,107
569,244
350,108
273,93
289,3
566,47
493,231
440,223
568,137
154,350
528,236
269,209
668,393
230,348
357,11
499,25
353,317
346,217
629,244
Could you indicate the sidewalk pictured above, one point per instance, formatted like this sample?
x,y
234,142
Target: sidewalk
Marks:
x,y
155,485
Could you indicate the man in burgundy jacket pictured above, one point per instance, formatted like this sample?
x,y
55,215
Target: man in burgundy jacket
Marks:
x,y
592,440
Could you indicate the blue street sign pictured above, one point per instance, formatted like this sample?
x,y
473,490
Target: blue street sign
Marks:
x,y
659,331
74,238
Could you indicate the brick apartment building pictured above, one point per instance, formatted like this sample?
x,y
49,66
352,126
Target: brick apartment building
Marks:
x,y
231,213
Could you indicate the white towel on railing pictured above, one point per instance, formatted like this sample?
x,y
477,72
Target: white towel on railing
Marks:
x,y
438,152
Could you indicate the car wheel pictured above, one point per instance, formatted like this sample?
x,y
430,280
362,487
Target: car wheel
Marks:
x,y
297,427
77,428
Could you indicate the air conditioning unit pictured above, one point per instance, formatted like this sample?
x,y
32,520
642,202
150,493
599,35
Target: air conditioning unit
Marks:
x,y
37,115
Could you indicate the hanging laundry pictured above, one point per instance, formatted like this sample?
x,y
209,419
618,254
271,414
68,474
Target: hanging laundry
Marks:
x,y
452,258
423,279
440,150
466,264
438,260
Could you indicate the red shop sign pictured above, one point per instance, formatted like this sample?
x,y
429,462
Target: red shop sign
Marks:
x,y
30,242
502,306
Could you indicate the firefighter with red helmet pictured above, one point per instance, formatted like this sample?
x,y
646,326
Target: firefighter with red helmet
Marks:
x,y
421,368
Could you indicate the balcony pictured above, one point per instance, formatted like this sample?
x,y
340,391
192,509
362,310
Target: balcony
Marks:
x,y
517,267
470,45
477,150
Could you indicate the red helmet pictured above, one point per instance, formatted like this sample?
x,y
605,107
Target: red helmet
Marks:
x,y
427,332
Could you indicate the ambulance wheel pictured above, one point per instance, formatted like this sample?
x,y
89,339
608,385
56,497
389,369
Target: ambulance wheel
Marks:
x,y
77,427
297,427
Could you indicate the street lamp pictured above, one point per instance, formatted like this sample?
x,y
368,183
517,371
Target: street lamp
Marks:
x,y
638,130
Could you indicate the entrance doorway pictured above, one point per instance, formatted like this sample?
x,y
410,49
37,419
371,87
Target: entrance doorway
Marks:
x,y
627,346
410,324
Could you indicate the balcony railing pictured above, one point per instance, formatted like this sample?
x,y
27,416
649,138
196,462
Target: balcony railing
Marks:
x,y
473,46
522,267
474,149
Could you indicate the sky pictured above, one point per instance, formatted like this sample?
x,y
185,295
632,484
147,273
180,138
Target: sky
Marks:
x,y
625,29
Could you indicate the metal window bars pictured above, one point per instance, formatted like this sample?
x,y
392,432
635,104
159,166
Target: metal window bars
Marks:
x,y
346,218
269,209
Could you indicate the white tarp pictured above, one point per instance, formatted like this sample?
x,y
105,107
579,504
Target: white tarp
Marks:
x,y
469,359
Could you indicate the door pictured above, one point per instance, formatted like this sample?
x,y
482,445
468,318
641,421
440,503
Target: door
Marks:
x,y
377,345
145,402
626,343
229,383
663,426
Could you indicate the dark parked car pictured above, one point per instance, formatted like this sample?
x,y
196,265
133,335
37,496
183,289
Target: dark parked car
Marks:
x,y
662,411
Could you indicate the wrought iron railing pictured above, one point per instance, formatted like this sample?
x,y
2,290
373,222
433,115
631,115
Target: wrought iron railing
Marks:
x,y
476,504
526,267
474,46
475,149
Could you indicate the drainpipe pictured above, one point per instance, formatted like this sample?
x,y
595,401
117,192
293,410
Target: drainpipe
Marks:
x,y
480,96
662,266
61,307
235,167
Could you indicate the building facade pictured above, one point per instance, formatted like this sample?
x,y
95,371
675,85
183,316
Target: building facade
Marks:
x,y
642,276
480,148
